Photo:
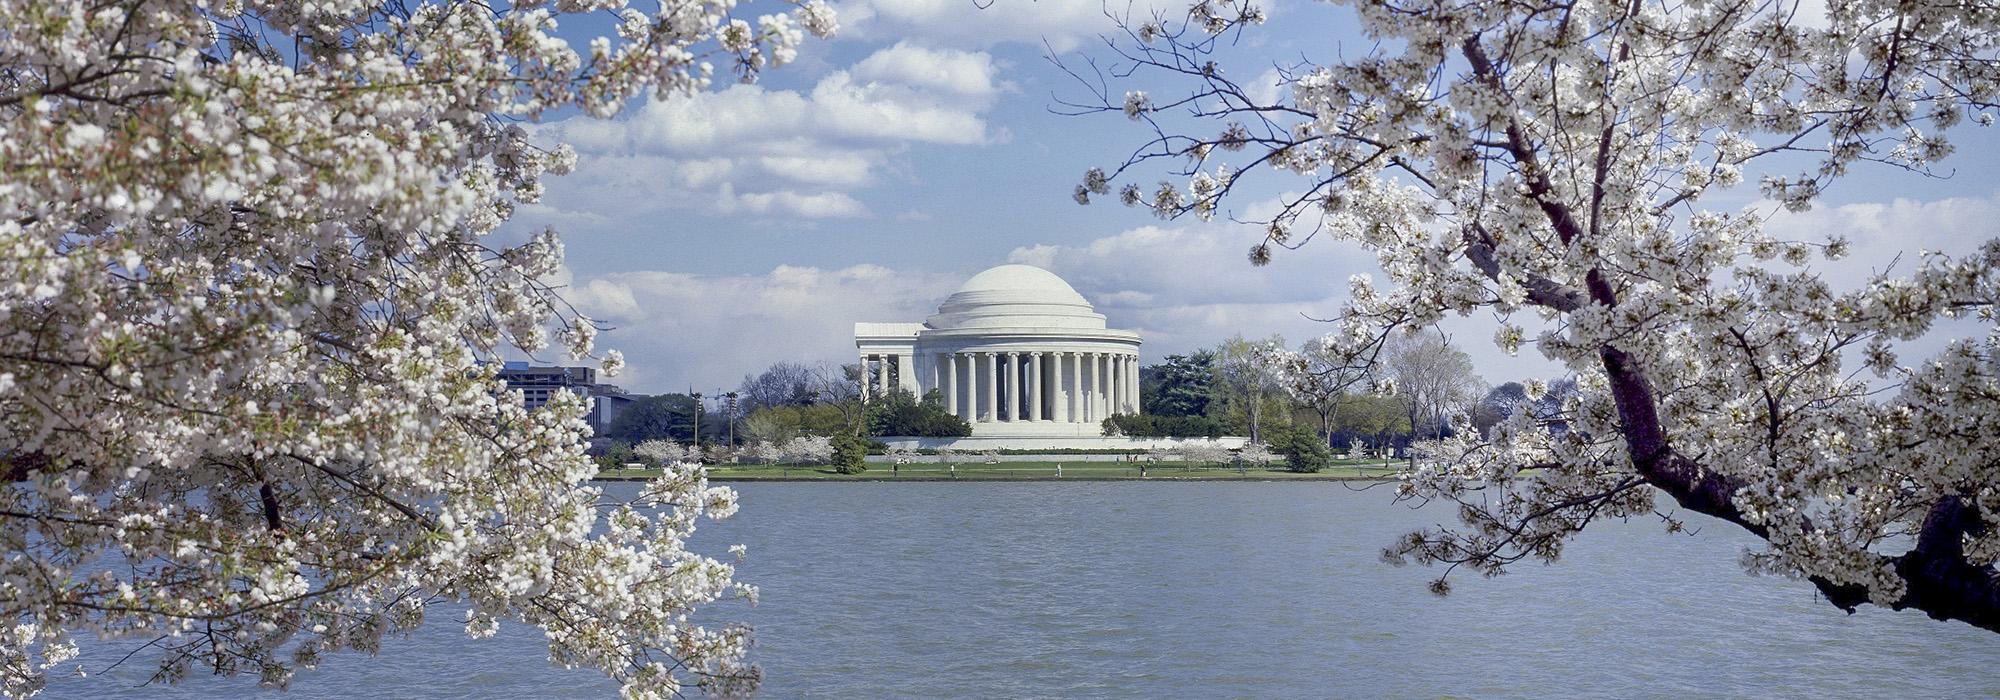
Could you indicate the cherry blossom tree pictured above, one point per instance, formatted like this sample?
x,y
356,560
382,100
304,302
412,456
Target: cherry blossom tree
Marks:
x,y
251,304
1552,164
666,452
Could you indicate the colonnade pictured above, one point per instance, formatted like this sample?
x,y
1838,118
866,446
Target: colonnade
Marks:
x,y
1037,386
880,373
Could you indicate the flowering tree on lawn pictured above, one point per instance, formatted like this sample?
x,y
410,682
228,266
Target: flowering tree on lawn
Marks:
x,y
807,449
248,326
664,452
1552,164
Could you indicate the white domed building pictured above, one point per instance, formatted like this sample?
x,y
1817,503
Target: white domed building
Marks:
x,y
1017,353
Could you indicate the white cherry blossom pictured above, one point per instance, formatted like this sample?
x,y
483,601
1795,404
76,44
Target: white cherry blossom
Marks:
x,y
1552,165
250,313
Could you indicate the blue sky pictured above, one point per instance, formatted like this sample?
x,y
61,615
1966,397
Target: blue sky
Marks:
x,y
751,224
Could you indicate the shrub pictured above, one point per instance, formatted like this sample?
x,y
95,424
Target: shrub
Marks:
x,y
850,454
1303,451
901,414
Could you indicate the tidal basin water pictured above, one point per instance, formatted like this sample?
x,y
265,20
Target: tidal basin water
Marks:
x,y
1205,590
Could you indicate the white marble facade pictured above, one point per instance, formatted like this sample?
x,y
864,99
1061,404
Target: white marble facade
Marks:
x,y
1015,351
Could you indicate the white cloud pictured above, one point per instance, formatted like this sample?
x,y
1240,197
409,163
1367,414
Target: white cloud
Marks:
x,y
1064,24
1266,88
1882,233
963,73
890,112
781,153
821,205
680,330
1197,264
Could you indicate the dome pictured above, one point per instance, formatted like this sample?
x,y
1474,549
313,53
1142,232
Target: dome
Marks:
x,y
1015,296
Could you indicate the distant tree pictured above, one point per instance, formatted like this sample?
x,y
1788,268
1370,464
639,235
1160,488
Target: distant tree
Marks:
x,y
1303,450
782,384
1499,403
769,425
809,449
1436,377
839,387
850,454
616,454
1318,378
1246,376
662,417
1203,452
664,452
1549,407
1184,385
1258,455
902,414
1378,418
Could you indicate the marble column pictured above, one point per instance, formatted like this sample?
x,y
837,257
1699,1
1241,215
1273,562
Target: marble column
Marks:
x,y
971,414
1132,384
1077,389
906,374
1125,385
1102,378
1138,397
1086,391
936,372
991,376
951,383
1117,391
1013,374
1035,386
1058,398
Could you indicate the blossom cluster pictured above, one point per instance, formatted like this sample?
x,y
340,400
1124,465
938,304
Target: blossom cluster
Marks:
x,y
250,310
804,449
1555,170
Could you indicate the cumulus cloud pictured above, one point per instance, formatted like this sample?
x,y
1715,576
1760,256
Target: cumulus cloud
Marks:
x,y
706,331
780,153
1064,24
1197,264
1892,232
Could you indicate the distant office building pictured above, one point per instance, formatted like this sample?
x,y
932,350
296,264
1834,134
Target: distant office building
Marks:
x,y
539,384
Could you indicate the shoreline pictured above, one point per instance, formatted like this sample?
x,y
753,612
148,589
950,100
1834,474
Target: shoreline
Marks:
x,y
870,478
1018,474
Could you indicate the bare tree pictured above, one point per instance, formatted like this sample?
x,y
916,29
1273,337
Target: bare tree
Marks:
x,y
782,384
1319,377
1437,378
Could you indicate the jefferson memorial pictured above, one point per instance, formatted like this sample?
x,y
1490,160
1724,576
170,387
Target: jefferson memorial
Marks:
x,y
1016,352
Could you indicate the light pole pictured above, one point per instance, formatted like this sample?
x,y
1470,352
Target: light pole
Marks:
x,y
697,419
730,407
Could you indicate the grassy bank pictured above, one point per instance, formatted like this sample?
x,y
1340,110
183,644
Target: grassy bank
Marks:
x,y
1024,471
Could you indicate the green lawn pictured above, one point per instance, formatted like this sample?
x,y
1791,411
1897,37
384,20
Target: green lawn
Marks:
x,y
974,471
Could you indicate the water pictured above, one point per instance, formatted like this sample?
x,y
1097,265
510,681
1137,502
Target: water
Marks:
x,y
1210,590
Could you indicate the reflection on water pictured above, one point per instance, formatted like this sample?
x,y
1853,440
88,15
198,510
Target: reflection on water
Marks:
x,y
1252,590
